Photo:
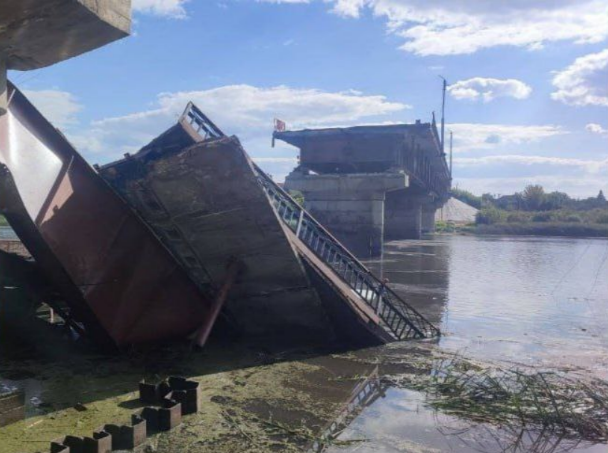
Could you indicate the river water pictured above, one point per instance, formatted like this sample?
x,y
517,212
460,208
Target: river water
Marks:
x,y
526,300
510,301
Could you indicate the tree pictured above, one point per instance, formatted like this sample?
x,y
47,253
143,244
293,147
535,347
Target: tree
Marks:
x,y
601,198
555,200
534,196
466,197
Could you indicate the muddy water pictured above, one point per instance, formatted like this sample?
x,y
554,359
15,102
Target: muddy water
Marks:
x,y
529,301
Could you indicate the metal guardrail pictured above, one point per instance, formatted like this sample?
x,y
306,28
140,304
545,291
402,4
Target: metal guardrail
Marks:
x,y
400,319
364,394
200,123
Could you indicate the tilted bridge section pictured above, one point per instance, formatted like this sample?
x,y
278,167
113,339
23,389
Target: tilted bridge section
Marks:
x,y
398,317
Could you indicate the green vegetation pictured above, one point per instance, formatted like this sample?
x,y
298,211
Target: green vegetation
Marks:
x,y
516,398
536,212
297,196
3,221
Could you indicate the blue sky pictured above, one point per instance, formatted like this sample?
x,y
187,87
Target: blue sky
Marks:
x,y
528,100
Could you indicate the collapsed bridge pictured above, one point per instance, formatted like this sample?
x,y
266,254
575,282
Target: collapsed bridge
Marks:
x,y
186,234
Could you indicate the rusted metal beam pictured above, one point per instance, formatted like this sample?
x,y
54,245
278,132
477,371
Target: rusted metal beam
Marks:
x,y
232,272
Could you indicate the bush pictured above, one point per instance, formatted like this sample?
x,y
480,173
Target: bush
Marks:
x,y
488,216
573,219
517,217
602,219
542,217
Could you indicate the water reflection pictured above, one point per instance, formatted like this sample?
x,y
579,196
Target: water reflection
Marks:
x,y
382,418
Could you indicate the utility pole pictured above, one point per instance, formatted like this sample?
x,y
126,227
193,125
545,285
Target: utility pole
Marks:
x,y
451,143
445,86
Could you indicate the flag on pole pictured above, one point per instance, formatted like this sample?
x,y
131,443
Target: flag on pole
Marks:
x,y
279,126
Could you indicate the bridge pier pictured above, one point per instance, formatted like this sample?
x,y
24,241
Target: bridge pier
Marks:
x,y
408,215
350,206
403,216
428,217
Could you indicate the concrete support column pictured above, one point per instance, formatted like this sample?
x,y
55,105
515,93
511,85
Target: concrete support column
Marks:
x,y
403,217
350,206
428,217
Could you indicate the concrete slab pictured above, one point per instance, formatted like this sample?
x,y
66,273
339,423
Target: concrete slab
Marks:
x,y
35,33
205,203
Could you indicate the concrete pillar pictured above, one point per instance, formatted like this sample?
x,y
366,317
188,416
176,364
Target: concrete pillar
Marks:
x,y
350,206
403,216
428,217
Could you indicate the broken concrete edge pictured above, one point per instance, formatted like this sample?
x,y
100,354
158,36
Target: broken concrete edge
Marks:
x,y
41,34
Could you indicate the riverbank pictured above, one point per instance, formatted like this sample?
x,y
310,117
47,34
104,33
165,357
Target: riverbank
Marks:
x,y
549,229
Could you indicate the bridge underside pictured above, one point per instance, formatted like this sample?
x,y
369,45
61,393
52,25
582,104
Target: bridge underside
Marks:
x,y
371,183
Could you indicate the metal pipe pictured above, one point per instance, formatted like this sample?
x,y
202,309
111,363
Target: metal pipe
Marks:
x,y
445,86
451,151
202,334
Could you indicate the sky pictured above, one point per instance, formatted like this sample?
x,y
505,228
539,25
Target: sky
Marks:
x,y
527,98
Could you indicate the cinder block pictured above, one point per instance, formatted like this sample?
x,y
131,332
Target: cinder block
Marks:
x,y
127,437
163,418
153,393
58,447
187,393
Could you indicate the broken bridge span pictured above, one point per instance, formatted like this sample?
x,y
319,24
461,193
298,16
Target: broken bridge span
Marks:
x,y
144,249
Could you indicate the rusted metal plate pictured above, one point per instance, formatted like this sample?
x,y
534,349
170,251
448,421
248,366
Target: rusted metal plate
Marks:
x,y
118,279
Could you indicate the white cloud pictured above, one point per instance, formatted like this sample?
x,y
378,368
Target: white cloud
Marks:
x,y
504,174
242,110
479,137
595,128
59,107
584,82
439,27
488,89
588,166
169,8
575,186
